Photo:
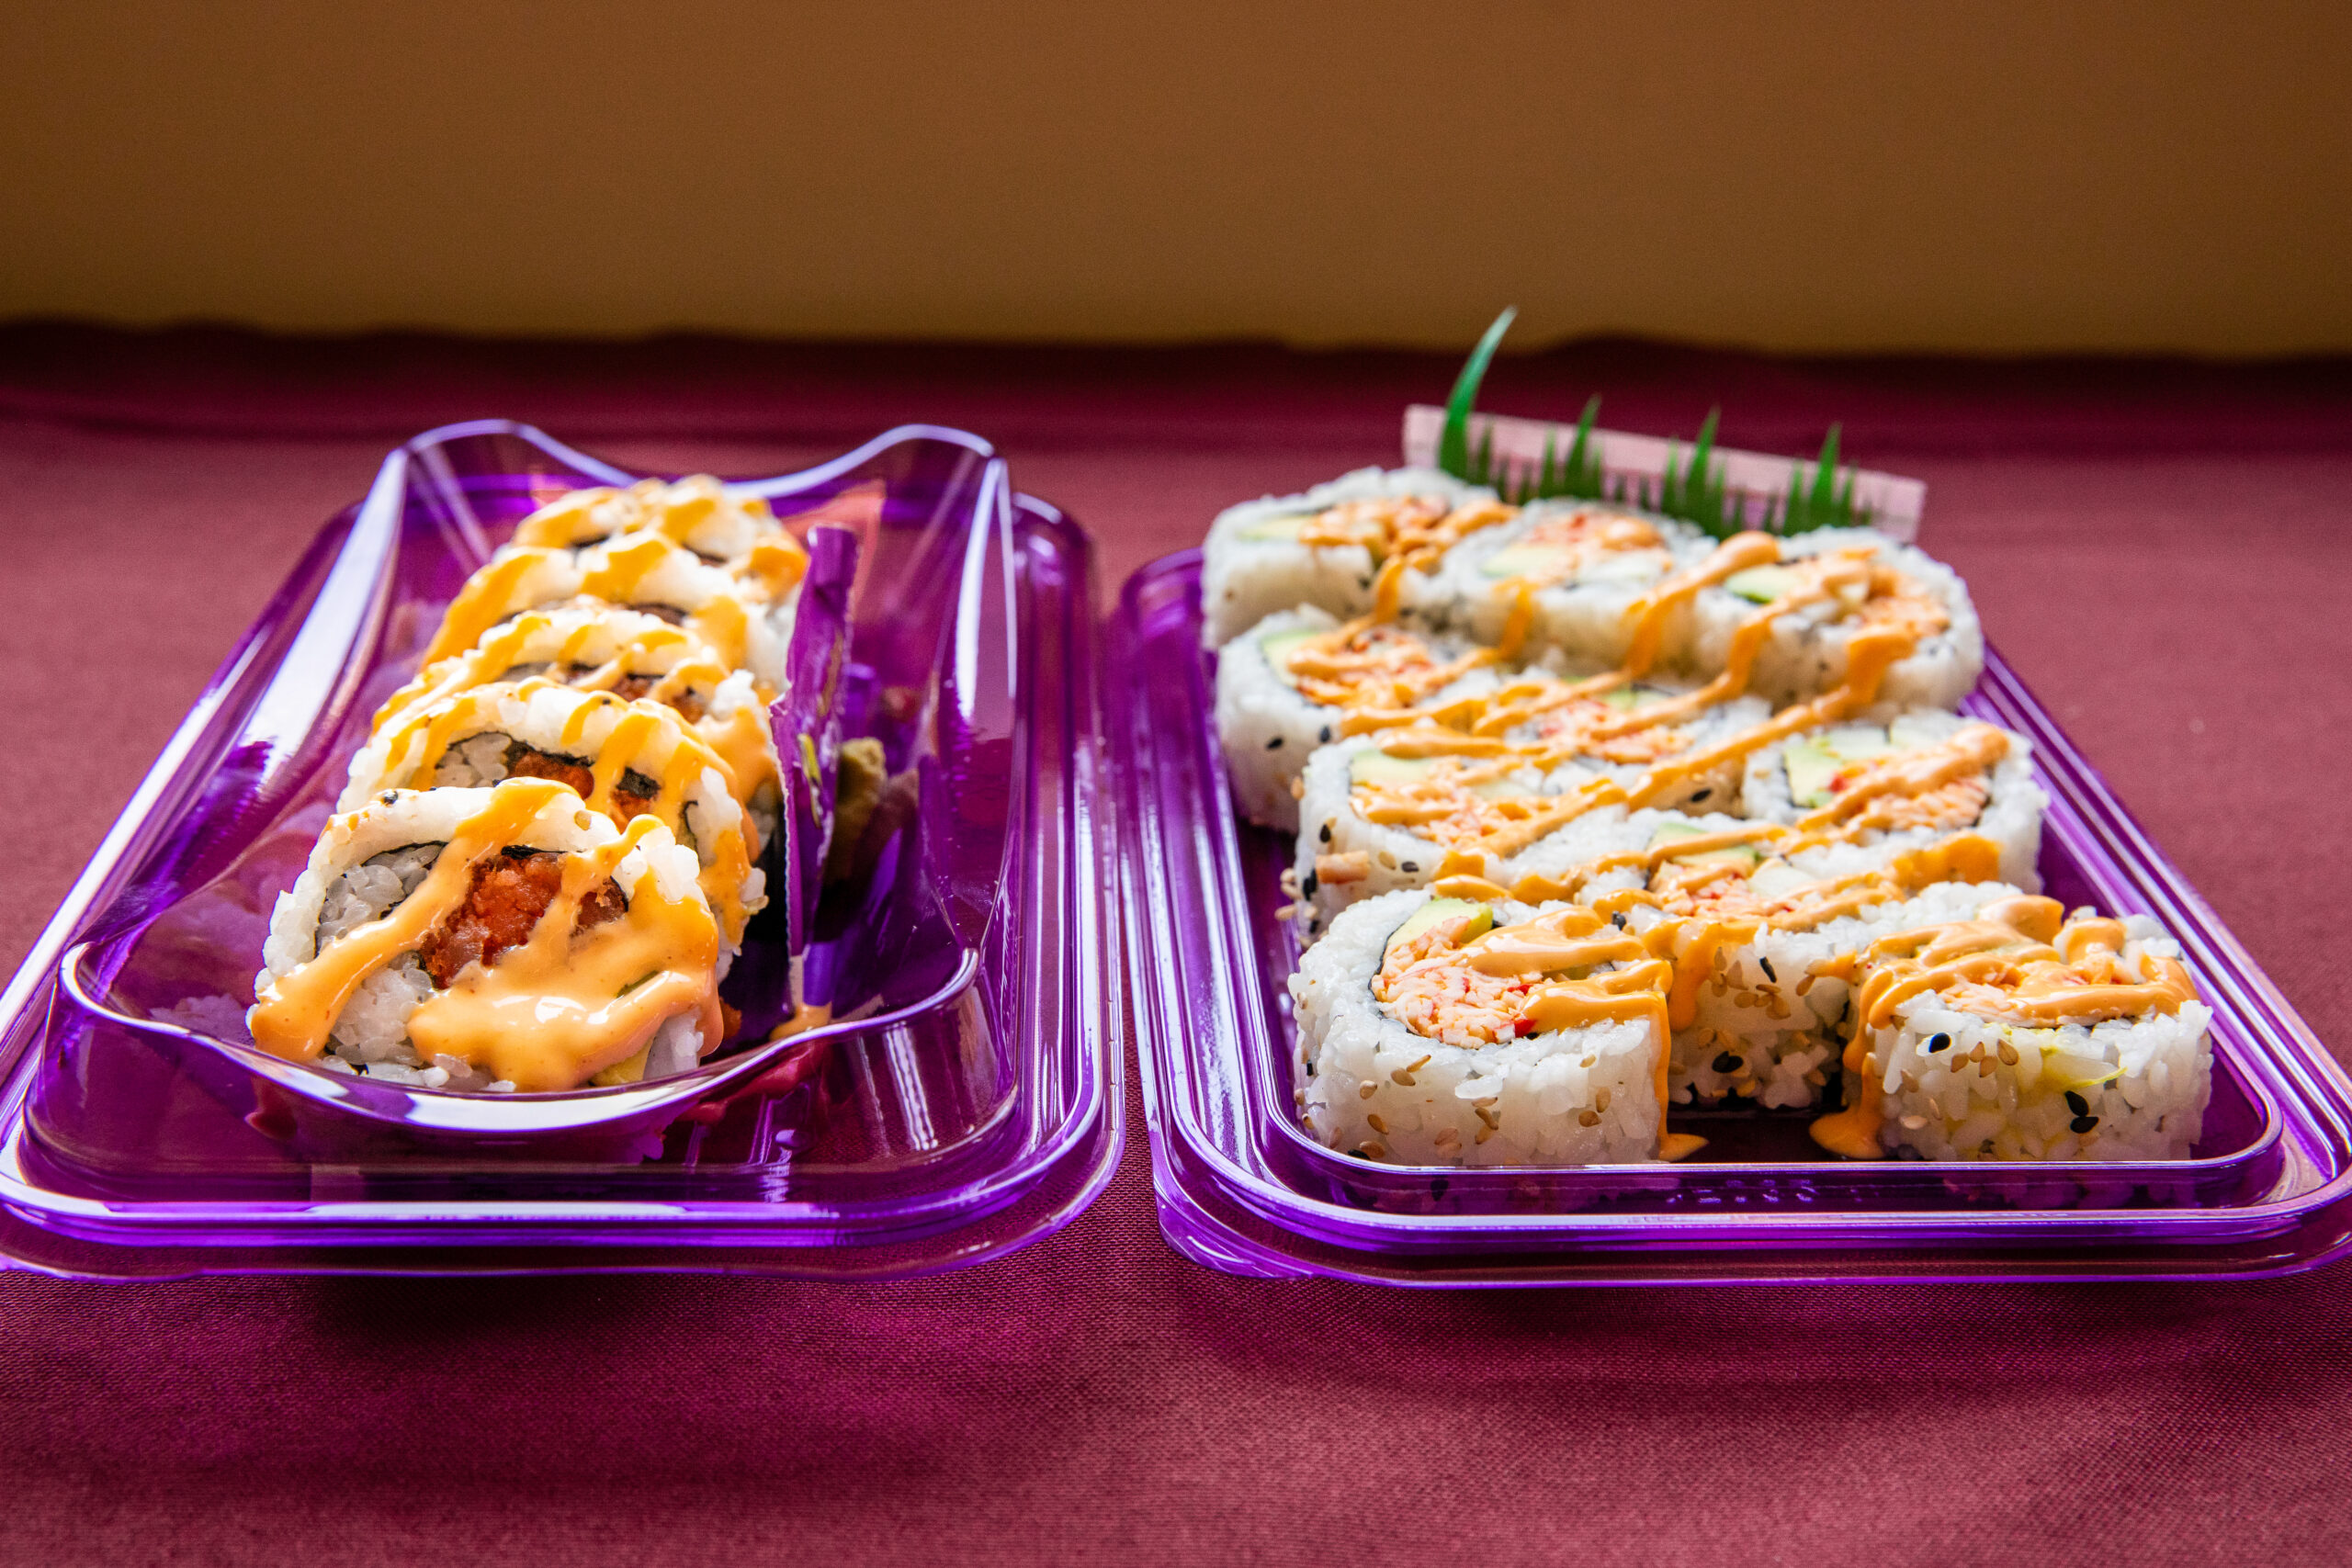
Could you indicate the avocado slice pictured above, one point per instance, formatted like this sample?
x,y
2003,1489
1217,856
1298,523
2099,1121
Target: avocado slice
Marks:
x,y
2064,1070
1544,563
1278,649
1276,530
1380,768
1815,761
1761,584
1482,921
1625,699
1745,857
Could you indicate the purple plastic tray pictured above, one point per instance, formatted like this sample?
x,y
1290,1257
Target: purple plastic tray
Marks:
x,y
1240,1187
966,1100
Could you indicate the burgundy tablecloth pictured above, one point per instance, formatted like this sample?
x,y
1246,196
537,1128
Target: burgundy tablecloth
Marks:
x,y
2162,549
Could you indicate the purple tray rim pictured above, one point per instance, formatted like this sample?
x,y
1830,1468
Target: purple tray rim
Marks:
x,y
1240,1217
1058,1172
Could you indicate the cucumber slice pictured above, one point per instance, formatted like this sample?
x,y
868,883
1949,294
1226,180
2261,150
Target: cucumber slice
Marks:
x,y
1276,530
1482,921
1380,768
1745,856
1278,649
1761,584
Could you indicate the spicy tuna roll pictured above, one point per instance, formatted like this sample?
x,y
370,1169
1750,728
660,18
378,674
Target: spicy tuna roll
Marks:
x,y
623,759
600,648
504,939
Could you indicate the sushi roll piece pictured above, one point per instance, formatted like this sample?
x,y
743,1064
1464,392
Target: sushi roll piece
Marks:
x,y
623,759
1294,681
1396,809
599,647
1755,921
1587,565
1669,743
2018,1034
1785,617
1325,548
1920,774
491,940
715,522
1438,1032
741,608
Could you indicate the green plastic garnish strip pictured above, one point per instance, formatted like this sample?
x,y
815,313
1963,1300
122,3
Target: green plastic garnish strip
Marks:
x,y
1691,488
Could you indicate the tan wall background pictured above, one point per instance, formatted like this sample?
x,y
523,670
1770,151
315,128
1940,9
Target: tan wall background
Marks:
x,y
1992,177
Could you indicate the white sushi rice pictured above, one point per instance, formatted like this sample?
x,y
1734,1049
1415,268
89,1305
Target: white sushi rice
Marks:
x,y
369,861
2012,809
1805,653
1268,728
1585,617
2143,1083
1248,571
1370,1086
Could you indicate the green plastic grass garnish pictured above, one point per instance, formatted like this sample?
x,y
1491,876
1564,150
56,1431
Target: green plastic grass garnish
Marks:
x,y
1693,491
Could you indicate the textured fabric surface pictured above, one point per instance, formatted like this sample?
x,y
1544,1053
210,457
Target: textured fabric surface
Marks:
x,y
2161,549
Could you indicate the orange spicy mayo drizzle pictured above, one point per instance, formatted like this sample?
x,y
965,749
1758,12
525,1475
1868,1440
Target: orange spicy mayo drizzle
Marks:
x,y
605,990
1892,614
1415,529
2014,963
1582,536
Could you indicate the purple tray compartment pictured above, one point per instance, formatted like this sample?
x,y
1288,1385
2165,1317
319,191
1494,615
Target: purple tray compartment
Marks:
x,y
968,1103
1240,1187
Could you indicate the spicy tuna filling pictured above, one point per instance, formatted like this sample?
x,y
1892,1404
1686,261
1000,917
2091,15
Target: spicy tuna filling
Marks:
x,y
504,901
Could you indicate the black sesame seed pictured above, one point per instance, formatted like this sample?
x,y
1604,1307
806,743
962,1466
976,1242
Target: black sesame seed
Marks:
x,y
1308,886
1617,921
1327,832
1938,1042
1700,796
391,797
1310,1069
2083,1123
1727,1063
2077,1104
1325,734
1411,866
1766,964
1275,744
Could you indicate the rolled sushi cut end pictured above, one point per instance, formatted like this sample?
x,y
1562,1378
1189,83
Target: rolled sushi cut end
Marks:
x,y
500,940
1908,777
1587,564
1291,683
2012,1036
1324,549
1438,1032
